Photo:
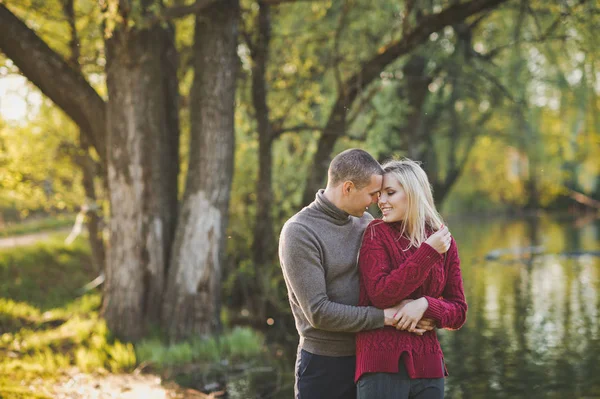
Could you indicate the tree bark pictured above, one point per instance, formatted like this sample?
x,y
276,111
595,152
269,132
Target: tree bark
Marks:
x,y
93,220
192,301
47,70
336,124
263,244
143,161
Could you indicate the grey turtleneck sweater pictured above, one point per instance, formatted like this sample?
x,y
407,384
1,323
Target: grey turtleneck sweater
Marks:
x,y
318,251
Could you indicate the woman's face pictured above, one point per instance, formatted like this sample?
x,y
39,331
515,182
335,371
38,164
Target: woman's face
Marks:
x,y
392,201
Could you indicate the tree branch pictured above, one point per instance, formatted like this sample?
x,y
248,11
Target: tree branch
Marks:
x,y
336,46
479,19
175,12
540,39
362,136
336,123
494,80
405,18
429,24
279,131
278,2
365,99
54,77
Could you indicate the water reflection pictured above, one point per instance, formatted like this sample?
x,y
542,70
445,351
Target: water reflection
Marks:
x,y
533,318
533,328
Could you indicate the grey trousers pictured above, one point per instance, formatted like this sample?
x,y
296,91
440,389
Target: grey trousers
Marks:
x,y
399,386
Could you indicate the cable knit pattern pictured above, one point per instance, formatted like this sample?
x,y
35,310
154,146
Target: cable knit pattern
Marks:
x,y
389,273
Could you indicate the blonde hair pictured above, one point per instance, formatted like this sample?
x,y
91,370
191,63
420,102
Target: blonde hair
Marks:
x,y
421,213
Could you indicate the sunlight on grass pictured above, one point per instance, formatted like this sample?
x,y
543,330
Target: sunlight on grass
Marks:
x,y
19,393
46,275
237,344
45,329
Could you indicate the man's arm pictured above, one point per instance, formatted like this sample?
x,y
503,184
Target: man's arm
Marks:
x,y
304,273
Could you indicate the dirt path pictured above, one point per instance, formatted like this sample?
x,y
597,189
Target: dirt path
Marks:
x,y
28,239
120,386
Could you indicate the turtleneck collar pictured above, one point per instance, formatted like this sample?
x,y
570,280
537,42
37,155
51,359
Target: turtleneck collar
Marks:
x,y
325,206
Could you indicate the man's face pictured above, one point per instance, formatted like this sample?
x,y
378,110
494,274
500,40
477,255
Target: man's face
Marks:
x,y
359,200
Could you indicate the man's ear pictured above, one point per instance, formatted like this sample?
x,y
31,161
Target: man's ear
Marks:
x,y
347,187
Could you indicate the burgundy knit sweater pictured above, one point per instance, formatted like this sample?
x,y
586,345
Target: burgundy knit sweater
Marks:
x,y
388,274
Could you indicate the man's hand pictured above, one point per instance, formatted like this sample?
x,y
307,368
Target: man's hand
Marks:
x,y
390,317
410,314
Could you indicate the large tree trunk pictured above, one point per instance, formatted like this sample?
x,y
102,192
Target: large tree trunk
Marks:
x,y
142,174
192,301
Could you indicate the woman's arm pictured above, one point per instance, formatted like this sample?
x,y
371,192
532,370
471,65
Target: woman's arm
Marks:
x,y
385,285
450,310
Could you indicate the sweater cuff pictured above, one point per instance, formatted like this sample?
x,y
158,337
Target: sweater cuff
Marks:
x,y
425,256
435,310
376,318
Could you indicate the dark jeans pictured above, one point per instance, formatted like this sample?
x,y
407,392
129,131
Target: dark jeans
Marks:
x,y
324,377
399,386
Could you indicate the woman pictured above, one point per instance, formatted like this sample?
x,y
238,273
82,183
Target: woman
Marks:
x,y
410,258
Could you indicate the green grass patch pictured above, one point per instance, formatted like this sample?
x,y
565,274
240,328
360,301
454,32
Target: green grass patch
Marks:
x,y
45,326
238,344
46,275
214,361
37,225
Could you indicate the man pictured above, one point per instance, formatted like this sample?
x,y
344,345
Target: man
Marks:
x,y
318,250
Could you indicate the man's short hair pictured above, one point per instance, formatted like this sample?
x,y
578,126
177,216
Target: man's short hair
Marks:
x,y
354,165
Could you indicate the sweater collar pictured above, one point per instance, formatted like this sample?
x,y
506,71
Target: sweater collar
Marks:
x,y
322,204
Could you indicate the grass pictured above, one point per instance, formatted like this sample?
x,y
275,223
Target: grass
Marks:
x,y
45,327
238,344
208,363
46,275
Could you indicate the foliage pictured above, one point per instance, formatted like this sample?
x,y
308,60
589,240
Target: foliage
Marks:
x,y
38,172
478,88
45,327
513,92
315,45
239,344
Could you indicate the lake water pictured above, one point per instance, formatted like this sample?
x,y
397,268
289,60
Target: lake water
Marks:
x,y
533,328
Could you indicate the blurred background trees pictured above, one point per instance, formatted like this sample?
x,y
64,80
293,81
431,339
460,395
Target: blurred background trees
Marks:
x,y
195,129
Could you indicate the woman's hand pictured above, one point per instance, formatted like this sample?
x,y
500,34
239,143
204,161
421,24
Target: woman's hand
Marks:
x,y
410,314
440,240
